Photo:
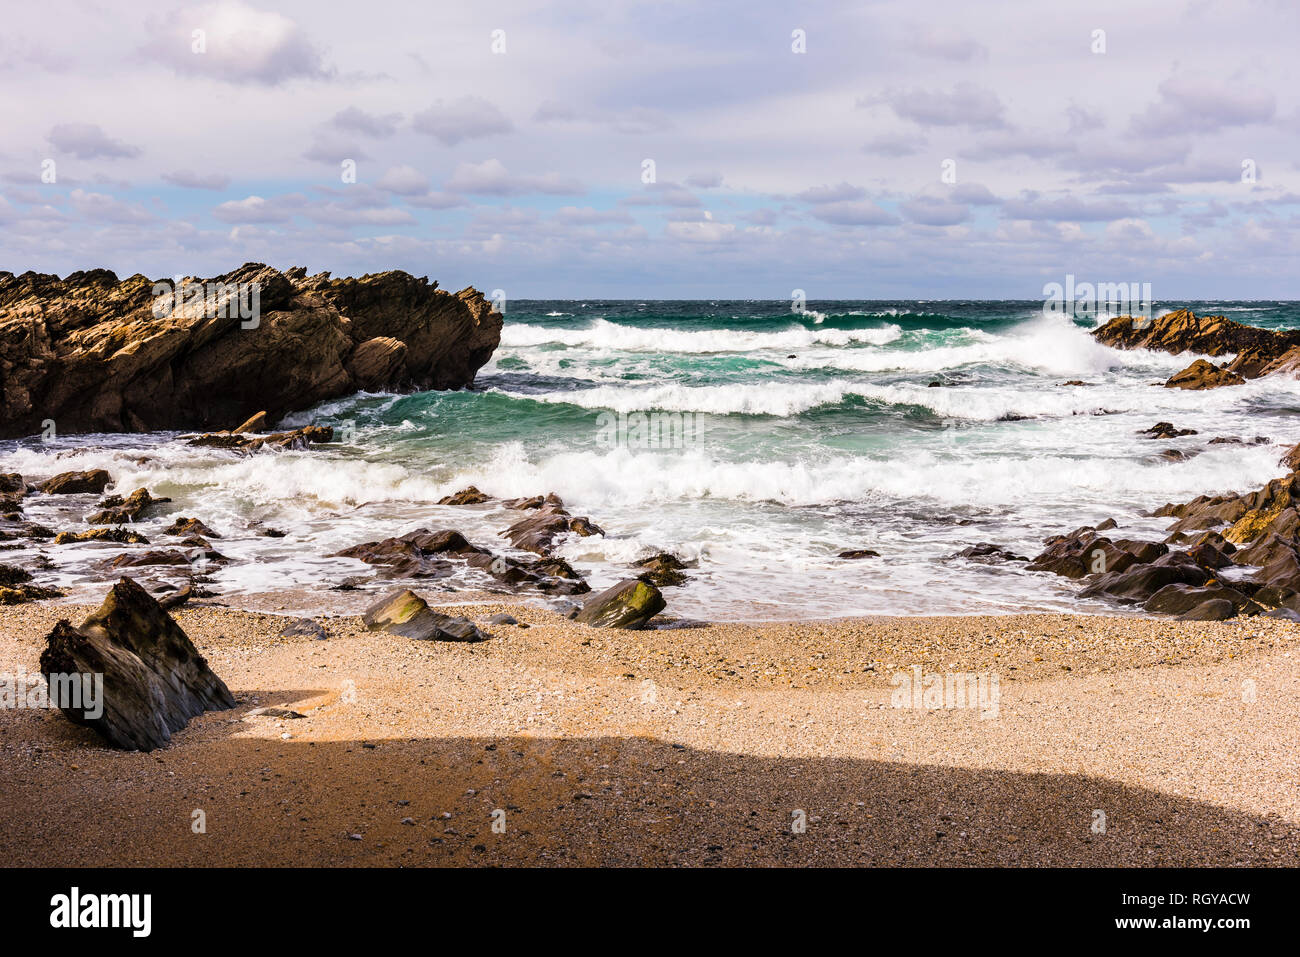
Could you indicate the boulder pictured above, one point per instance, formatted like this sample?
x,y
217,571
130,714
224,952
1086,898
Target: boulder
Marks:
x,y
1177,599
1184,331
858,553
189,526
110,355
1165,430
154,679
1216,609
120,536
629,604
71,483
1203,374
986,553
304,628
406,614
1140,582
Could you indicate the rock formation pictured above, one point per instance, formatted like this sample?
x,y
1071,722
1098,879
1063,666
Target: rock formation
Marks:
x,y
94,353
154,679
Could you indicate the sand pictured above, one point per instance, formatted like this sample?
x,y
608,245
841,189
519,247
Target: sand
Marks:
x,y
774,744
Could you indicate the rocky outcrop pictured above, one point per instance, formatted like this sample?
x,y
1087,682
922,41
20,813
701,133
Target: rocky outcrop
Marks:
x,y
95,353
1184,331
76,483
297,440
116,510
154,679
663,570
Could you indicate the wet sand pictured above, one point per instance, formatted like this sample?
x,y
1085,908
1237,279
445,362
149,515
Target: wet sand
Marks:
x,y
734,744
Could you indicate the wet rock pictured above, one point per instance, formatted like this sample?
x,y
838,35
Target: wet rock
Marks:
x,y
406,614
100,360
986,553
1184,331
1144,552
538,532
116,510
1139,582
142,559
663,570
189,526
858,553
120,536
1216,609
178,597
296,440
17,588
1203,374
154,679
1079,554
1267,548
1178,599
501,618
1166,430
304,628
629,604
11,483
76,483
466,496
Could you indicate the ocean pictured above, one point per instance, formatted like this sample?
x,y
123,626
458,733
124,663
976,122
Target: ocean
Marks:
x,y
751,440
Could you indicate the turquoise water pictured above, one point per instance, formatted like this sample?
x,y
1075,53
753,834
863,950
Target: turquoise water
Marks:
x,y
787,437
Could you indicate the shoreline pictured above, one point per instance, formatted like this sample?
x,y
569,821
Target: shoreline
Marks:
x,y
689,746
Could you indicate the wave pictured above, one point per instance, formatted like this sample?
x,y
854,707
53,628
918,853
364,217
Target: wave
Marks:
x,y
605,335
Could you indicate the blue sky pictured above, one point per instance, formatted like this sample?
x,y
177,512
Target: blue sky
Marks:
x,y
503,145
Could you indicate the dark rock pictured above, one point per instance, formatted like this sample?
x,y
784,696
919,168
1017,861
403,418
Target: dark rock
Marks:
x,y
154,679
1165,430
1216,609
72,483
855,553
1202,374
1184,331
120,536
297,440
501,618
101,360
1176,599
986,553
406,614
1140,582
304,628
466,496
116,510
11,483
177,598
663,570
629,604
189,526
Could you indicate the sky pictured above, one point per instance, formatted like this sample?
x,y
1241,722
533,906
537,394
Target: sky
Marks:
x,y
607,149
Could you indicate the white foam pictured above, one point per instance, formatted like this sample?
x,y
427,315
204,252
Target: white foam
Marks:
x,y
604,335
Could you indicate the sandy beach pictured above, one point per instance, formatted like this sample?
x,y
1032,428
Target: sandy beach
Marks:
x,y
734,744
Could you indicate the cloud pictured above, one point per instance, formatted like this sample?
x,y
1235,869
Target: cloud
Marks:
x,y
633,120
662,194
255,209
587,216
704,180
831,194
332,147
704,230
240,45
1202,104
934,211
468,118
99,206
404,180
192,180
851,213
1030,205
355,120
894,144
965,105
87,141
491,177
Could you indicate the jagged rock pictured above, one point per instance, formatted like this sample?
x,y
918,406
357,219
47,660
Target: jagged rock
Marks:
x,y
252,424
1184,331
1081,553
89,351
538,532
11,483
304,628
121,536
1203,374
116,510
466,496
298,439
1291,461
1144,552
16,587
1166,430
534,501
1265,549
154,679
141,559
629,604
406,614
189,526
663,570
986,553
67,483
858,553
